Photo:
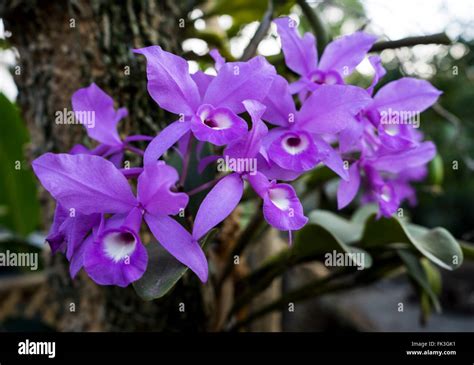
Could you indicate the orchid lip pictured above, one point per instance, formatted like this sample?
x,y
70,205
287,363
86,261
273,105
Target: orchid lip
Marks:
x,y
119,244
295,144
317,77
218,122
326,77
279,198
385,193
214,118
392,130
333,78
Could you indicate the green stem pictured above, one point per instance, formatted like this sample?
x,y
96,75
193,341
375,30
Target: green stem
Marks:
x,y
311,290
345,279
467,250
262,30
439,38
319,29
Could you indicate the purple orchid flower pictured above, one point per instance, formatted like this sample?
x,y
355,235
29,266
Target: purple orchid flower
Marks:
x,y
390,112
339,59
67,234
388,150
94,108
281,206
298,144
208,106
386,177
113,254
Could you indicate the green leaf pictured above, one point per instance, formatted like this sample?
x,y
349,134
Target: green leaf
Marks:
x,y
380,232
163,271
311,243
315,240
433,275
345,230
361,215
424,280
467,250
19,207
436,171
437,244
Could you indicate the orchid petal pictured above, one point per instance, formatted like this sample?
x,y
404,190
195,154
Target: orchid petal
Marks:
x,y
154,190
164,140
76,262
169,82
87,183
218,59
406,95
179,243
379,72
331,158
93,101
55,236
331,108
347,190
281,109
300,52
397,162
345,53
78,149
77,228
282,209
259,183
238,81
218,204
248,146
274,172
202,81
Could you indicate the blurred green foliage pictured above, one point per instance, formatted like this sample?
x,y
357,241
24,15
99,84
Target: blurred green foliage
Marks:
x,y
19,208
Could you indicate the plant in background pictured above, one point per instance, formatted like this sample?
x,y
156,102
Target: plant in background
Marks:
x,y
270,133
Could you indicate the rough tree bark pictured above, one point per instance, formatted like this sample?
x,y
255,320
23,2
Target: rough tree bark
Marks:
x,y
65,45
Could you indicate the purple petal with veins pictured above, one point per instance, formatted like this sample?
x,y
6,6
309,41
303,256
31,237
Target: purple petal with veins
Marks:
x,y
89,184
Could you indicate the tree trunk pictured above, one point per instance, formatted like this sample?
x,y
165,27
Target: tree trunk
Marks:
x,y
65,45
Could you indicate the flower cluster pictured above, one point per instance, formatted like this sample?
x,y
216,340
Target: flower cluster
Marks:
x,y
247,112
